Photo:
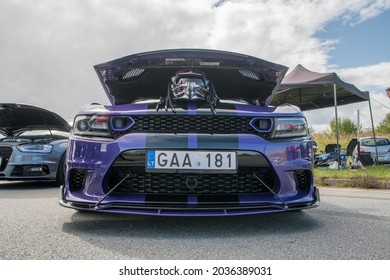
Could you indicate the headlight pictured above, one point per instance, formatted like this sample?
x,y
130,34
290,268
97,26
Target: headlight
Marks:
x,y
35,148
290,127
91,126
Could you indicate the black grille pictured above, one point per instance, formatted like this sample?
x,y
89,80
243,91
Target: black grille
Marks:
x,y
162,183
303,179
33,170
5,153
76,179
200,124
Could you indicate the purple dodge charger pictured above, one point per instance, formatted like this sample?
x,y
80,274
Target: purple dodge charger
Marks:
x,y
189,133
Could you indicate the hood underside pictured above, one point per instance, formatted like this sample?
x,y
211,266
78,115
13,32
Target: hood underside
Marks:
x,y
147,75
16,118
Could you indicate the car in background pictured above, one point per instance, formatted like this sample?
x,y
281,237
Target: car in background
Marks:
x,y
367,145
189,134
32,143
315,148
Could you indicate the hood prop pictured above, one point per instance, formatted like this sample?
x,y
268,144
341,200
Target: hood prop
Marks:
x,y
48,127
285,206
97,205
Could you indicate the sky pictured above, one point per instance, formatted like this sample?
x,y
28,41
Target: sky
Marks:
x,y
48,48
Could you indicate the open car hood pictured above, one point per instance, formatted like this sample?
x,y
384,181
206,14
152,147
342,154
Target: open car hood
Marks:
x,y
147,75
16,118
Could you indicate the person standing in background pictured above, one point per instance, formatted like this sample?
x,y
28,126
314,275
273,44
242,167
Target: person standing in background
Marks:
x,y
388,92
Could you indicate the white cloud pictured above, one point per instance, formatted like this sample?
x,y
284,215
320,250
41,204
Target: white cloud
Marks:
x,y
368,76
48,48
373,78
372,9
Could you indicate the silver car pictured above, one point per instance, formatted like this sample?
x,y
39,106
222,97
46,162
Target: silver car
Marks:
x,y
32,143
367,145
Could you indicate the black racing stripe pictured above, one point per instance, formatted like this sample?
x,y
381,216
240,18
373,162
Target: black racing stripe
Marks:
x,y
167,141
192,137
224,141
218,142
152,107
203,108
164,141
200,141
227,106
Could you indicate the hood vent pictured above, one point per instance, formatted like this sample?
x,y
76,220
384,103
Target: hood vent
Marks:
x,y
133,73
248,74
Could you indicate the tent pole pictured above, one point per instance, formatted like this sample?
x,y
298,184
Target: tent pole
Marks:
x,y
358,124
358,135
373,130
337,125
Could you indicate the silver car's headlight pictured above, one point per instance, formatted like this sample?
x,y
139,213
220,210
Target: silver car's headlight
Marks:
x,y
35,148
92,126
289,127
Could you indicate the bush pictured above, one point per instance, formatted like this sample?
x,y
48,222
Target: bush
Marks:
x,y
346,126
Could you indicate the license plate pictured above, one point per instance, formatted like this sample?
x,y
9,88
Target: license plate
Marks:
x,y
191,160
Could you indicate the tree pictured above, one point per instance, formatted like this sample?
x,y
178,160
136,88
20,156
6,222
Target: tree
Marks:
x,y
346,126
384,126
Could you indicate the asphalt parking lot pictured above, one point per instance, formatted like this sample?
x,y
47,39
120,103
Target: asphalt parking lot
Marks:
x,y
349,224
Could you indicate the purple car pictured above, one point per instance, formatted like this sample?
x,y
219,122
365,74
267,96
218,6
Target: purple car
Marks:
x,y
189,133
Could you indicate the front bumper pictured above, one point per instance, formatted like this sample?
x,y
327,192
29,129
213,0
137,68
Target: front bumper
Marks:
x,y
96,168
383,159
24,166
190,210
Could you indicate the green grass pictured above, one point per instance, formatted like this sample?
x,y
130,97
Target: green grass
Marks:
x,y
380,172
372,177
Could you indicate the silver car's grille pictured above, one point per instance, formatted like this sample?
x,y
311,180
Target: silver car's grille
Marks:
x,y
30,170
5,154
